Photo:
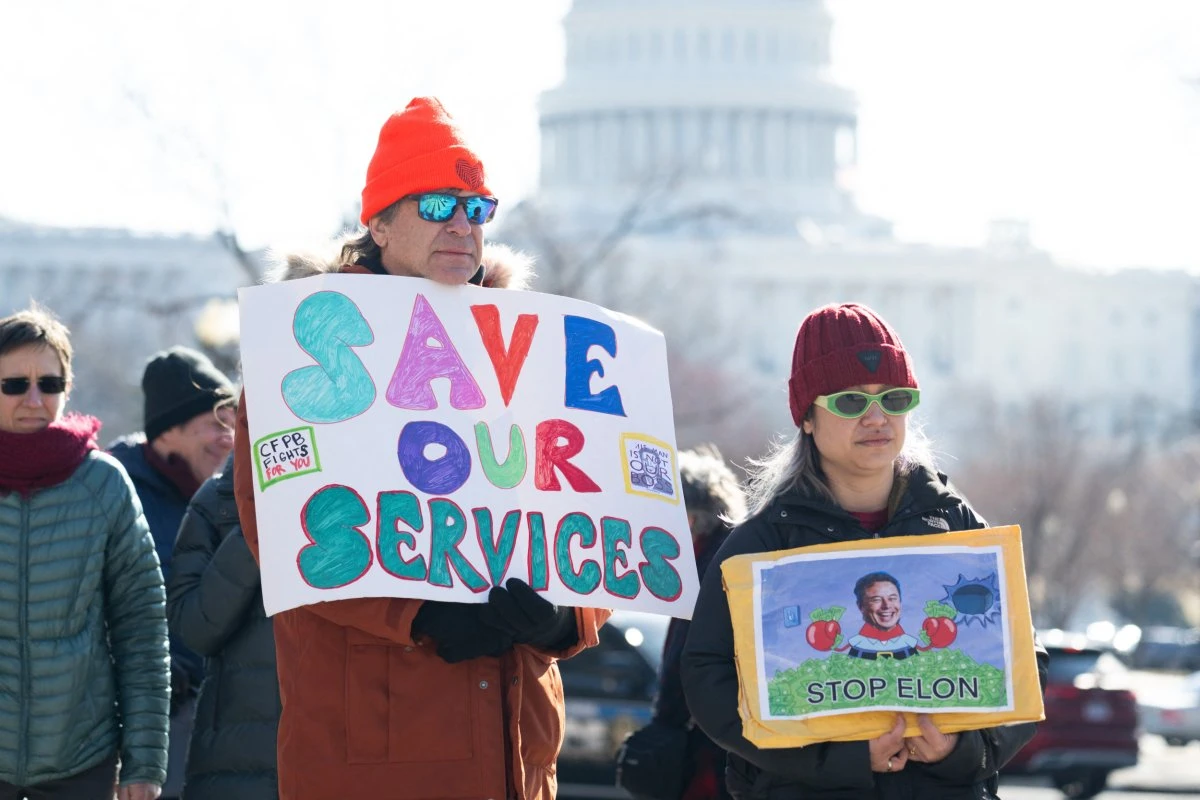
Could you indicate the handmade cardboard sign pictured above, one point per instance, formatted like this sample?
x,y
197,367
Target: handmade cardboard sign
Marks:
x,y
418,440
832,640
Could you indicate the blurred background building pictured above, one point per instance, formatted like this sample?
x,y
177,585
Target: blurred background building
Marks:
x,y
709,148
124,296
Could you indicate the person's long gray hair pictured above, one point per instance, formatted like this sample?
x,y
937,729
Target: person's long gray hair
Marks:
x,y
358,245
794,464
711,492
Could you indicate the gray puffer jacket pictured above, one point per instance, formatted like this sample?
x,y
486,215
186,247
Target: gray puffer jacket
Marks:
x,y
83,631
215,606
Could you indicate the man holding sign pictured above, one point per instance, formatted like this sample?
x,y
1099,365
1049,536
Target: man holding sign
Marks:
x,y
406,698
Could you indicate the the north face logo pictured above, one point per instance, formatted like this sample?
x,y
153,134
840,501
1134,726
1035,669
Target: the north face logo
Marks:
x,y
936,522
870,359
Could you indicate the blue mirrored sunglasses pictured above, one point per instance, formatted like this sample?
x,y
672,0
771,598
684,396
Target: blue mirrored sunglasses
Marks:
x,y
440,207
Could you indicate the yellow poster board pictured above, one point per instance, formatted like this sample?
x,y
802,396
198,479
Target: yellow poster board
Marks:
x,y
832,640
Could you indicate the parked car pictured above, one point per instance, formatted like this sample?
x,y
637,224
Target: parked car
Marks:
x,y
608,689
1091,725
1175,714
1167,649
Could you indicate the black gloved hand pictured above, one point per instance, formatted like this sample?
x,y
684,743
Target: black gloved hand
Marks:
x,y
459,631
519,611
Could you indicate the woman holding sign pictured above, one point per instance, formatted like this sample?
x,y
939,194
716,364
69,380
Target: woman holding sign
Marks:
x,y
853,471
84,683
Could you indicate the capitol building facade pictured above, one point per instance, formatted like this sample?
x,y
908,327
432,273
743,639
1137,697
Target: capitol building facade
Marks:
x,y
124,296
729,97
692,171
704,141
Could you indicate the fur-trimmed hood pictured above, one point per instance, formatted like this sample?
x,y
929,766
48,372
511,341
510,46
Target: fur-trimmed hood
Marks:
x,y
503,267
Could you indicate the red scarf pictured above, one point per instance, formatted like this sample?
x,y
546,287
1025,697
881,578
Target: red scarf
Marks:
x,y
30,461
872,632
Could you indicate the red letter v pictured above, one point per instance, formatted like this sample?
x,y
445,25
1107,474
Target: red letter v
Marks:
x,y
507,363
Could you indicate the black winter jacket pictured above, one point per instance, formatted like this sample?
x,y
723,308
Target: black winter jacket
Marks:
x,y
670,706
829,770
214,604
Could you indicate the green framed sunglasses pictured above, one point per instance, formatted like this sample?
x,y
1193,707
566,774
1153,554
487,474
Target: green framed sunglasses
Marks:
x,y
852,404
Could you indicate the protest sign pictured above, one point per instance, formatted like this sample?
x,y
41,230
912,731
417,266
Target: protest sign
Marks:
x,y
831,640
411,439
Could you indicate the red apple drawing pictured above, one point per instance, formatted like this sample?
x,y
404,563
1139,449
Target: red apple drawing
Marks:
x,y
823,634
940,630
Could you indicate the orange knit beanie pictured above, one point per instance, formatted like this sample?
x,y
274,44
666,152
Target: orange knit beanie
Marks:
x,y
420,150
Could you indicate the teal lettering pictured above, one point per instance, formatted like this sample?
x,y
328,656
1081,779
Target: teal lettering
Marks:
x,y
400,507
339,553
327,325
587,578
449,526
659,549
538,571
499,555
615,532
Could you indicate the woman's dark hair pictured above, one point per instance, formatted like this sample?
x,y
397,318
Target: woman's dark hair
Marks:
x,y
37,326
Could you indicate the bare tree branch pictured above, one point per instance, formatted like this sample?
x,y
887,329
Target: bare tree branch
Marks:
x,y
1095,516
173,139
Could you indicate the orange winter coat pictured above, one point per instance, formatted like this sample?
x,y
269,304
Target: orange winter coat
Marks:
x,y
368,711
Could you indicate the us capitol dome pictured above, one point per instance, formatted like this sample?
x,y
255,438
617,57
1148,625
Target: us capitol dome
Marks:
x,y
721,106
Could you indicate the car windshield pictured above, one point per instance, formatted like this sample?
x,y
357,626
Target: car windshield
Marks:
x,y
646,632
625,662
1066,665
1173,649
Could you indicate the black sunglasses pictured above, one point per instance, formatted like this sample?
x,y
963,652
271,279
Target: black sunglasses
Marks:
x,y
47,384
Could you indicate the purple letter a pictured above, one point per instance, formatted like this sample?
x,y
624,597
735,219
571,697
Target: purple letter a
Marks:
x,y
428,353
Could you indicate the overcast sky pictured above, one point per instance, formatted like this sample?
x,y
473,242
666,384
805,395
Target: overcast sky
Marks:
x,y
1081,116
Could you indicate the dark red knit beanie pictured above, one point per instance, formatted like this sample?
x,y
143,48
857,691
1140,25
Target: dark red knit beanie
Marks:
x,y
842,345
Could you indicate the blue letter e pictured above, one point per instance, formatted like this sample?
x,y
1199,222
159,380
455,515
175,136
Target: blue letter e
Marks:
x,y
581,333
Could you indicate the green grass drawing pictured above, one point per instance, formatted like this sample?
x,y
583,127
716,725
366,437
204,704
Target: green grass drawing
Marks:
x,y
788,691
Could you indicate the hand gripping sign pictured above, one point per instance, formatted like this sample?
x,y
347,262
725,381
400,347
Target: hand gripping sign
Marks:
x,y
832,640
416,440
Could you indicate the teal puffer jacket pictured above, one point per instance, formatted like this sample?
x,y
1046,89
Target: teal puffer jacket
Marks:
x,y
83,631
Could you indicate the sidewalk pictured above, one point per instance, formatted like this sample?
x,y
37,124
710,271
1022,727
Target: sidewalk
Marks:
x,y
1161,768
